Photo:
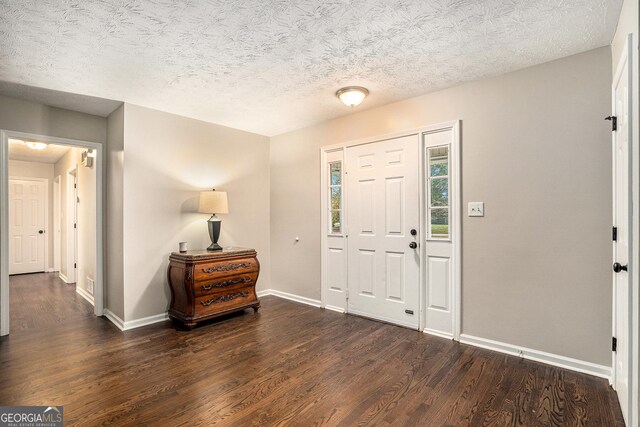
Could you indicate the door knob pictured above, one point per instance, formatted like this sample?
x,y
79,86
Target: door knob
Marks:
x,y
40,231
617,267
413,245
413,232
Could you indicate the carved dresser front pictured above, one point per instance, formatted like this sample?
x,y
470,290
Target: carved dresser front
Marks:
x,y
207,284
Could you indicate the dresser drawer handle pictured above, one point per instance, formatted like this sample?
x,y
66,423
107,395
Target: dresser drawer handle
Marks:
x,y
226,283
224,298
226,267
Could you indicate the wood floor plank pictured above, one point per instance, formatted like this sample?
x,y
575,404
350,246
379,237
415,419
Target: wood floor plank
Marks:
x,y
287,365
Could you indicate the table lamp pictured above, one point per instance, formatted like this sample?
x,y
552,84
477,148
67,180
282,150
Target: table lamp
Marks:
x,y
213,202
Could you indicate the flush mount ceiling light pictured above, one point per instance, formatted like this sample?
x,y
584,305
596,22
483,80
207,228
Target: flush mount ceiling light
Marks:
x,y
352,96
36,145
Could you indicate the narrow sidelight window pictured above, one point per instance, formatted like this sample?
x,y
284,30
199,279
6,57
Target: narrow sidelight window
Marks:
x,y
438,215
335,197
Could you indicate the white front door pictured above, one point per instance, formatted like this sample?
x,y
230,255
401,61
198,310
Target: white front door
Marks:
x,y
621,218
382,211
26,226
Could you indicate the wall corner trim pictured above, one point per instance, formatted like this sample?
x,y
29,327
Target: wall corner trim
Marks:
x,y
84,294
114,319
539,356
136,323
291,297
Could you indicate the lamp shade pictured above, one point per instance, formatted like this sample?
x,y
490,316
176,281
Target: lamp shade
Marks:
x,y
213,202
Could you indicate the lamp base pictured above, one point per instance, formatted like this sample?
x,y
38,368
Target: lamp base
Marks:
x,y
214,233
214,247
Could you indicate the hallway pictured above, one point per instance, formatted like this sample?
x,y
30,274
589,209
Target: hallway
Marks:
x,y
42,301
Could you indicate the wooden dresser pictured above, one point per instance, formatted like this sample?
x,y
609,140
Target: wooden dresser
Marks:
x,y
205,284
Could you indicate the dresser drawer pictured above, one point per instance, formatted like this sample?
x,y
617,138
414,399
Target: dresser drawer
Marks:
x,y
217,302
224,284
205,272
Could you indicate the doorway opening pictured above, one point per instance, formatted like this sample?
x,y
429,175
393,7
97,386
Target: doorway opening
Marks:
x,y
51,228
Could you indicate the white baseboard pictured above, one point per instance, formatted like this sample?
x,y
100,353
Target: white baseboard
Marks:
x,y
84,294
144,321
539,356
50,270
136,323
114,319
437,333
291,297
333,308
263,293
63,278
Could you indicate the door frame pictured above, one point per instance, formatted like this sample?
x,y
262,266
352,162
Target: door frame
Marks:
x,y
628,59
46,214
99,290
71,210
456,216
56,204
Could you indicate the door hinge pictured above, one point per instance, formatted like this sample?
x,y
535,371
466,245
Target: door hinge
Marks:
x,y
75,265
346,294
75,185
75,225
614,344
614,234
614,122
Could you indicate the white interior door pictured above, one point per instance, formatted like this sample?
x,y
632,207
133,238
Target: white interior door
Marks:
x,y
621,217
26,226
382,209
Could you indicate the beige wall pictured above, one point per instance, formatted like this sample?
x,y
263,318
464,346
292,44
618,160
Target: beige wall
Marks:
x,y
168,160
114,246
24,116
628,23
22,169
536,150
86,239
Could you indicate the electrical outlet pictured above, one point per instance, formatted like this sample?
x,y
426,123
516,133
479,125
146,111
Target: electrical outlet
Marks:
x,y
90,285
475,209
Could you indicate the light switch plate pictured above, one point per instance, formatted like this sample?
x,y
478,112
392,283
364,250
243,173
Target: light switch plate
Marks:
x,y
475,209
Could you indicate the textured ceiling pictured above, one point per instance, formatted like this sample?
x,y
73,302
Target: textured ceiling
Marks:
x,y
274,66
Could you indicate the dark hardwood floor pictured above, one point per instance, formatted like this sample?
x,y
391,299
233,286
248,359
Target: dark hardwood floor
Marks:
x,y
44,301
289,364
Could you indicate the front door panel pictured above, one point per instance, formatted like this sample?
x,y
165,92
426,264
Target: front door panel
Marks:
x,y
382,208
